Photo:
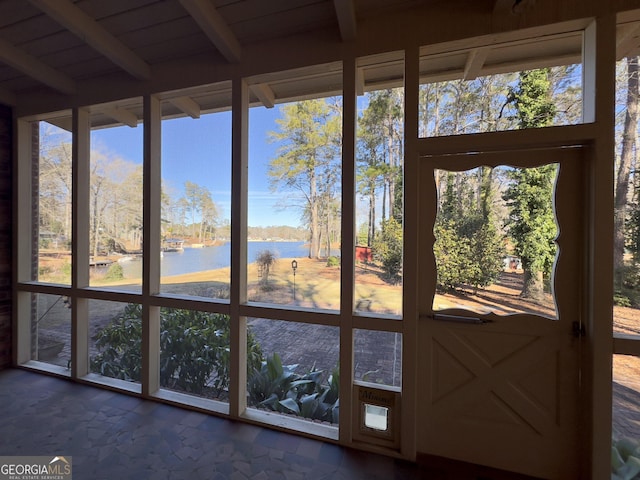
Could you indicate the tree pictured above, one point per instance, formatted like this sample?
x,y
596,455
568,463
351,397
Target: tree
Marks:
x,y
310,137
531,222
388,248
628,145
468,247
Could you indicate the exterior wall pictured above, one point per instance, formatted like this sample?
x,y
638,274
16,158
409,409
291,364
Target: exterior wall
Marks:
x,y
5,236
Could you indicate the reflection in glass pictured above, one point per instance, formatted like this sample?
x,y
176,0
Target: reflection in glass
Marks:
x,y
299,370
294,203
495,240
54,205
51,329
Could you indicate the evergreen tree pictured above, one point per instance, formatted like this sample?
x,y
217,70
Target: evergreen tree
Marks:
x,y
531,222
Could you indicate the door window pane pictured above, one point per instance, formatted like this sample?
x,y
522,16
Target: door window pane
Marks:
x,y
495,236
377,357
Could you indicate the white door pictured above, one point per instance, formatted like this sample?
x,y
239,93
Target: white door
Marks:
x,y
502,388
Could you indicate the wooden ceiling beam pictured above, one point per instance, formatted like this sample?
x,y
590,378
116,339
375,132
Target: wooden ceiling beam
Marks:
x,y
123,116
475,62
92,33
265,94
36,69
346,13
628,40
215,28
186,105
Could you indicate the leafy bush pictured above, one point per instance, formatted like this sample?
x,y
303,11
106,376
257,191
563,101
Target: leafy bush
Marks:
x,y
387,249
194,349
625,459
333,261
279,388
115,272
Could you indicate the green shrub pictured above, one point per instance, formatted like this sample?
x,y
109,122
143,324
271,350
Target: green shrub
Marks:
x,y
114,272
625,459
333,261
279,388
194,349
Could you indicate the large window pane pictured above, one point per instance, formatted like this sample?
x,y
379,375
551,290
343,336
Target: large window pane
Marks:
x,y
195,352
380,192
196,206
51,329
495,236
115,340
299,370
115,203
626,252
53,208
294,204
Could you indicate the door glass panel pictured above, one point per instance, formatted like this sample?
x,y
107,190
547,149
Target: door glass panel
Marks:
x,y
495,236
52,182
377,357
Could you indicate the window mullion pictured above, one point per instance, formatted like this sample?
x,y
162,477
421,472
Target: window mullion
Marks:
x,y
239,199
80,241
151,245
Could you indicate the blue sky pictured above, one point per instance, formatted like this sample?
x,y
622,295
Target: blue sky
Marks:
x,y
200,151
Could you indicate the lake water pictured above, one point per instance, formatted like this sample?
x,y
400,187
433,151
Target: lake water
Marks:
x,y
210,258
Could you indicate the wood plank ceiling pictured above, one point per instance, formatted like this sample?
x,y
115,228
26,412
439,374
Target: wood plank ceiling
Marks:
x,y
53,46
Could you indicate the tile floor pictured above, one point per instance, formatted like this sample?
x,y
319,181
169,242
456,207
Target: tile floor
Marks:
x,y
111,435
